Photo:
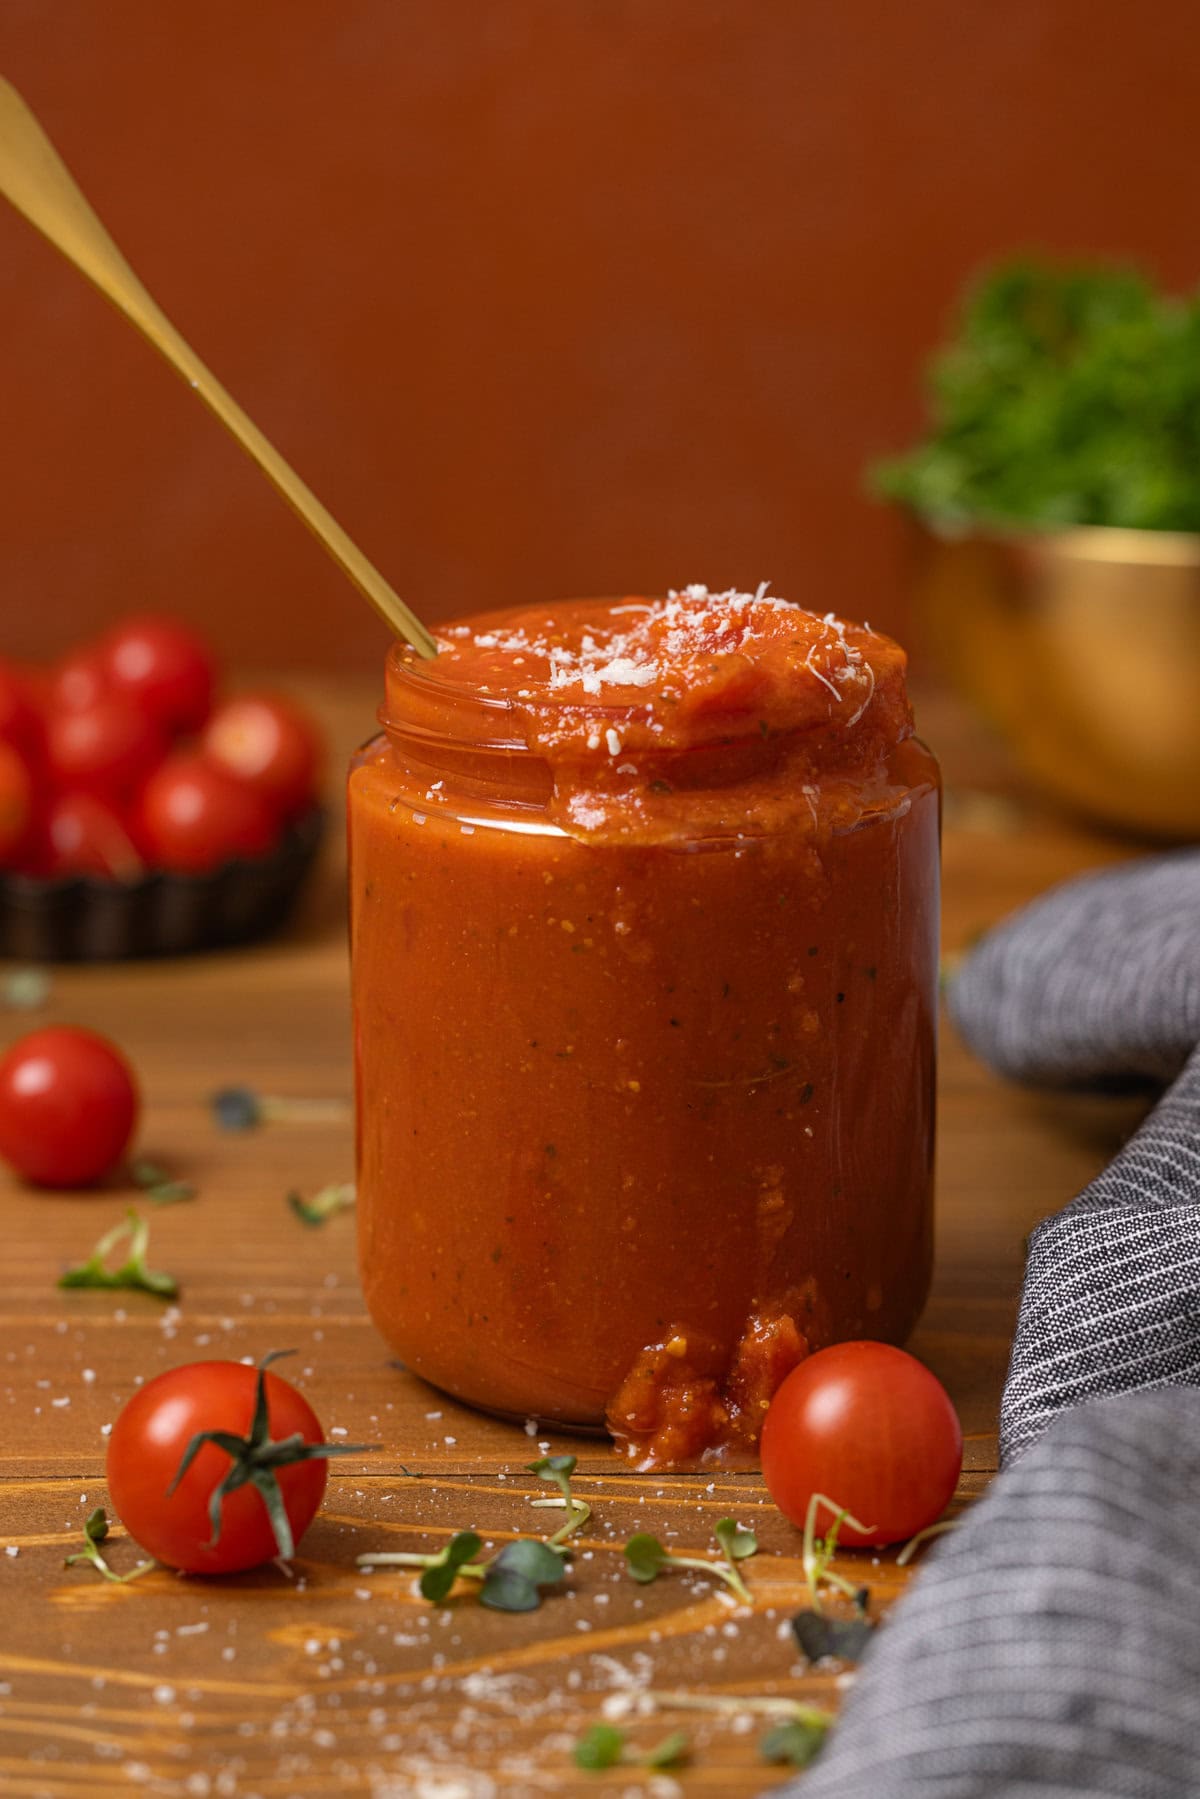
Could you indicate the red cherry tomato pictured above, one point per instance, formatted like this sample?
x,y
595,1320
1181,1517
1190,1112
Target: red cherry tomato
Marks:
x,y
16,803
193,817
164,667
270,744
148,1442
106,748
68,1105
20,716
86,836
77,682
870,1428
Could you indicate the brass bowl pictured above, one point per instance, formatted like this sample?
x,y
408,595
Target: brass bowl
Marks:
x,y
1082,648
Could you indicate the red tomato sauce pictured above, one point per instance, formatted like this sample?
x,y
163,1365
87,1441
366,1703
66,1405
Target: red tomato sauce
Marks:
x,y
644,918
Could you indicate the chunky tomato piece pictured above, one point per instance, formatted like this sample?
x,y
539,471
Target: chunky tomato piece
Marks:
x,y
68,1105
873,1430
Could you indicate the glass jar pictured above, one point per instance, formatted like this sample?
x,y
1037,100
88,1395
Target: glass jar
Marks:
x,y
645,992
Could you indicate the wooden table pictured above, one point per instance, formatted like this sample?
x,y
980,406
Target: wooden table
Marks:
x,y
322,1679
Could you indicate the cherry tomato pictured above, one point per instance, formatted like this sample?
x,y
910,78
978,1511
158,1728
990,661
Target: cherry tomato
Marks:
x,y
68,1105
20,717
270,744
78,681
86,836
870,1428
148,1441
193,816
16,803
106,748
168,670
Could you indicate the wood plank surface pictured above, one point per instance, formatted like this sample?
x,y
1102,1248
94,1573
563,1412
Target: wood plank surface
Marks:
x,y
323,1679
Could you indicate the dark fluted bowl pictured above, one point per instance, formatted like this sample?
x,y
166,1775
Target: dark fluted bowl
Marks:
x,y
81,918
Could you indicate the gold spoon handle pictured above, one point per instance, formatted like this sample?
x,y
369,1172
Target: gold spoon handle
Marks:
x,y
39,184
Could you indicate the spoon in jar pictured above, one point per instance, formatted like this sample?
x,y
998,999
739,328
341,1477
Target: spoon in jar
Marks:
x,y
39,184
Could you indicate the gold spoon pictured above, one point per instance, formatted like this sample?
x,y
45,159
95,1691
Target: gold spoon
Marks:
x,y
39,184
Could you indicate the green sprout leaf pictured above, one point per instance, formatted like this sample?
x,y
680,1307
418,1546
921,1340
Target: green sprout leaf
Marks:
x,y
818,1552
159,1186
95,1532
25,989
323,1205
672,1752
797,1741
645,1557
443,1570
132,1272
244,1109
255,1461
601,1746
736,1543
818,1636
558,1469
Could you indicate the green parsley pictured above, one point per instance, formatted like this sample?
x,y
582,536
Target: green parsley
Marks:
x,y
603,1746
559,1469
1069,395
510,1582
323,1205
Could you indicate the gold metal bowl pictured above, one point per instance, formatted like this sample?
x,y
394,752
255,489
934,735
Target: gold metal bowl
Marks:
x,y
1082,648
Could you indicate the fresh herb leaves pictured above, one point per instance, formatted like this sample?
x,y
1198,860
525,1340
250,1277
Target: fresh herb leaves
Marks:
x,y
132,1272
797,1740
846,1638
160,1187
646,1557
510,1582
95,1531
1069,396
559,1469
323,1205
25,989
603,1746
818,1552
244,1109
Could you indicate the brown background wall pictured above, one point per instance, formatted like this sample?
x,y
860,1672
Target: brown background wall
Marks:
x,y
541,296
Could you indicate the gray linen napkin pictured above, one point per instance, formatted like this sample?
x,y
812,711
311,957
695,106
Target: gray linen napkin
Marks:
x,y
1051,1649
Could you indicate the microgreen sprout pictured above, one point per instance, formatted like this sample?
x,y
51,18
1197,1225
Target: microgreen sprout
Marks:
x,y
797,1735
510,1581
559,1469
25,989
603,1746
255,1460
914,1543
323,1205
244,1109
132,1272
159,1186
95,1531
646,1558
820,1551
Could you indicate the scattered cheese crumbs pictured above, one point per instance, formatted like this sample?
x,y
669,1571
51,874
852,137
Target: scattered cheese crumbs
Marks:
x,y
531,1427
88,1376
338,1430
613,741
450,1442
11,1549
65,1400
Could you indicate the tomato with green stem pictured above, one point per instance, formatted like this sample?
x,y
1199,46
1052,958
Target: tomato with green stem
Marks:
x,y
869,1426
216,1467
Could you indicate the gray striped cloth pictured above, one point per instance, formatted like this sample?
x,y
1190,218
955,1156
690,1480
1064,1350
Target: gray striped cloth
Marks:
x,y
1051,1649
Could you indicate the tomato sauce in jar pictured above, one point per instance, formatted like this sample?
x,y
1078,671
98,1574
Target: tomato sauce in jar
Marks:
x,y
644,910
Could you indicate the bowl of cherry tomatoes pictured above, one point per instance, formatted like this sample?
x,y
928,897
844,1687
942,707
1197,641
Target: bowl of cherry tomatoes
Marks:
x,y
142,813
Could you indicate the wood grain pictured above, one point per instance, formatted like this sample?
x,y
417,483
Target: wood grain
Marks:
x,y
330,1680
